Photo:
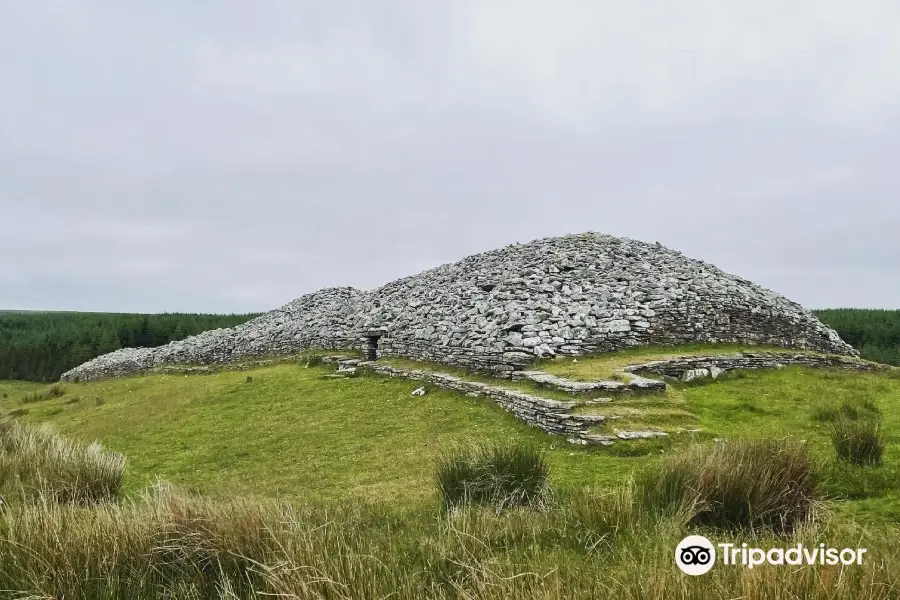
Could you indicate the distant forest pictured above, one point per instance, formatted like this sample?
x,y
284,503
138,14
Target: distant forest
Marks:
x,y
42,346
875,333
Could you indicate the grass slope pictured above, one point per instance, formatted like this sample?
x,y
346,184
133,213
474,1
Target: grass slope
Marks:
x,y
354,456
292,432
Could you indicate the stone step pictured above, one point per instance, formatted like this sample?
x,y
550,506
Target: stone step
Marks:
x,y
586,439
637,421
589,419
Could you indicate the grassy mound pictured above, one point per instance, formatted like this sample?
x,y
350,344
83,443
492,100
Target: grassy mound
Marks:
x,y
293,433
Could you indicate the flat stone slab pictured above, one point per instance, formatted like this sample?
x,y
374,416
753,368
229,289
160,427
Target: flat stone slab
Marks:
x,y
692,374
603,440
640,435
589,419
568,385
637,383
643,383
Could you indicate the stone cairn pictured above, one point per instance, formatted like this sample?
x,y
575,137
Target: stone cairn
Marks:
x,y
498,311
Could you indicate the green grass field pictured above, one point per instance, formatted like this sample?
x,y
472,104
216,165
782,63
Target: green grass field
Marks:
x,y
300,485
294,433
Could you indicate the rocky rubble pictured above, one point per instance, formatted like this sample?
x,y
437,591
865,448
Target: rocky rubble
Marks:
x,y
498,311
325,319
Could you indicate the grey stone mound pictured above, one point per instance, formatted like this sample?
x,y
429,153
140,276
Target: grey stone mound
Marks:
x,y
498,311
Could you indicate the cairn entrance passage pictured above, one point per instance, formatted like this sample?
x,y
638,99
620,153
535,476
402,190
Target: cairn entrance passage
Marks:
x,y
372,338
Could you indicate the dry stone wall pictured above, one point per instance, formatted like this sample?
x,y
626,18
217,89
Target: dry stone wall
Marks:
x,y
551,416
497,311
696,367
635,383
329,318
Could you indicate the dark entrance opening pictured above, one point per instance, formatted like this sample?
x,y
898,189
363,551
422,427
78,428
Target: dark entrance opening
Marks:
x,y
372,338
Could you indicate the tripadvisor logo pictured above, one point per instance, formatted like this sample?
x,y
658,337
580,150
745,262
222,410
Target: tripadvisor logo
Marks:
x,y
696,555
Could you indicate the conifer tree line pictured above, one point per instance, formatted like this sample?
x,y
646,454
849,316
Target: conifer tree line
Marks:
x,y
875,333
42,346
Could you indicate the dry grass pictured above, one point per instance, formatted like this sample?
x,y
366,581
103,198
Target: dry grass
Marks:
x,y
747,484
48,393
588,544
36,462
594,545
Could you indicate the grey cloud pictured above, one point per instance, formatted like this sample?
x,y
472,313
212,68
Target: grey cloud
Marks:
x,y
210,156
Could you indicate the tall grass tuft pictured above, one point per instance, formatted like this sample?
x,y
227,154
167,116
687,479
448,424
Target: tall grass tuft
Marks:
x,y
48,393
859,441
170,545
848,409
747,484
36,462
502,476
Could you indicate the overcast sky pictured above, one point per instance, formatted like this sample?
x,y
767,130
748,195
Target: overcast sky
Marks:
x,y
226,156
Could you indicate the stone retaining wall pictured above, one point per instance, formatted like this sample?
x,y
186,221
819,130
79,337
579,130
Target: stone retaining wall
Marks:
x,y
557,417
552,416
690,368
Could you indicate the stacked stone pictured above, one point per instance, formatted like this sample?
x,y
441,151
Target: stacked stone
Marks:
x,y
328,318
551,416
696,367
582,294
498,311
636,383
